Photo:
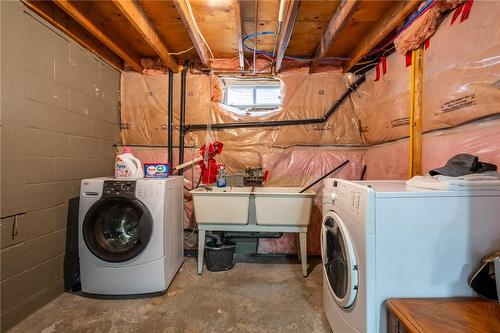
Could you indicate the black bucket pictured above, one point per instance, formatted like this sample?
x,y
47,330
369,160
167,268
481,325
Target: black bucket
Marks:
x,y
219,254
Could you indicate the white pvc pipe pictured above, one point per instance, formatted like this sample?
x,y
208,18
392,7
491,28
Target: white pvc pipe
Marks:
x,y
281,13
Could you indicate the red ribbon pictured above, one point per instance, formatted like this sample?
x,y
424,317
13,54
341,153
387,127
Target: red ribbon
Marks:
x,y
463,9
408,59
456,14
377,72
427,43
383,60
466,10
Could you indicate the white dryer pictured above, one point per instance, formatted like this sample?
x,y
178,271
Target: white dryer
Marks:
x,y
130,235
382,239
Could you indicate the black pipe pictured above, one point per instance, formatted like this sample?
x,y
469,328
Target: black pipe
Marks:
x,y
324,176
170,129
182,117
325,117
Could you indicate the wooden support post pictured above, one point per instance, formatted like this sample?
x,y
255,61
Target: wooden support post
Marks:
x,y
416,106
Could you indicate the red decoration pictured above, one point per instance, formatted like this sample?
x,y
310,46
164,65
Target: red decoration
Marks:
x,y
210,170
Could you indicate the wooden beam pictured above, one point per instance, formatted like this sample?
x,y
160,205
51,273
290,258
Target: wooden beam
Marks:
x,y
91,21
135,15
184,10
416,111
289,18
62,21
396,14
239,34
335,26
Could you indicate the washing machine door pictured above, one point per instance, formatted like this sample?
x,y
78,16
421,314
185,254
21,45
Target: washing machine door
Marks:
x,y
117,229
339,260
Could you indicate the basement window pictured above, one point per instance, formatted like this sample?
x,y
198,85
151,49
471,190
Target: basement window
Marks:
x,y
252,95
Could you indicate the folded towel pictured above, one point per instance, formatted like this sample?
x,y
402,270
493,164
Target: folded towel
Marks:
x,y
486,181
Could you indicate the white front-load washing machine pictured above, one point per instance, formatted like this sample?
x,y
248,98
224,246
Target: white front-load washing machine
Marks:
x,y
130,235
382,239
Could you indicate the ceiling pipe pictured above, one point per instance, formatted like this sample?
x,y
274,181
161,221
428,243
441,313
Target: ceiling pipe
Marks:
x,y
281,14
255,39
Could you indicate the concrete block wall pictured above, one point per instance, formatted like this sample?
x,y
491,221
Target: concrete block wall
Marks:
x,y
59,121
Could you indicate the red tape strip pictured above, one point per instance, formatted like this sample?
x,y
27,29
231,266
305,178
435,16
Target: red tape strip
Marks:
x,y
408,59
427,43
383,60
466,10
456,14
377,73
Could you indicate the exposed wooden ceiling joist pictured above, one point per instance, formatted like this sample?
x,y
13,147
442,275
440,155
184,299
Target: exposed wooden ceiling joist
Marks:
x,y
290,16
135,15
335,26
239,36
389,21
96,25
183,8
62,21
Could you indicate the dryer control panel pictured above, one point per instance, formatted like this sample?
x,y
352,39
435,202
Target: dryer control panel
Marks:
x,y
122,188
348,197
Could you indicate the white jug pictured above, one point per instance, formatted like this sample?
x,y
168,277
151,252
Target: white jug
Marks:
x,y
127,165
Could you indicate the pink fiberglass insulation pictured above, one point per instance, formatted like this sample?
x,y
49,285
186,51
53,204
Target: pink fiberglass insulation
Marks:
x,y
480,138
300,167
422,28
461,75
387,161
382,103
462,67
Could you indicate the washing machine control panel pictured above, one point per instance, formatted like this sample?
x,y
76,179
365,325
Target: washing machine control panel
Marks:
x,y
122,188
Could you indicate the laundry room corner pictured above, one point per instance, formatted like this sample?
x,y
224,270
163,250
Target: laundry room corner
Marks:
x,y
325,166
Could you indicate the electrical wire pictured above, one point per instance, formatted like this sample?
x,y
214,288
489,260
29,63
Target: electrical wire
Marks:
x,y
364,67
190,10
181,52
269,55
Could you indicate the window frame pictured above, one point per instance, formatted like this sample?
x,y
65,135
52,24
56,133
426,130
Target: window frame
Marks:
x,y
254,87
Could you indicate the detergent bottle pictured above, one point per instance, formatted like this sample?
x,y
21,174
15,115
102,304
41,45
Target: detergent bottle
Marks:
x,y
221,178
127,165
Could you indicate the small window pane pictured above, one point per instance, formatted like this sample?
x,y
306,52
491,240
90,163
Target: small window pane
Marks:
x,y
240,96
268,96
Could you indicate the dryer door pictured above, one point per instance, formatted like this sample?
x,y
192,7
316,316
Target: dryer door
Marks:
x,y
339,260
117,229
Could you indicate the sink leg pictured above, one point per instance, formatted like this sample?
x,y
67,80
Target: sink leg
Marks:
x,y
297,241
201,249
303,252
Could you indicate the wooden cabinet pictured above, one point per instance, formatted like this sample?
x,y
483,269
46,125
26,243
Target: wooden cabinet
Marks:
x,y
442,315
394,325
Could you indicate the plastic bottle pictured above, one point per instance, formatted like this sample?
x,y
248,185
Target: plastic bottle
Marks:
x,y
127,165
221,177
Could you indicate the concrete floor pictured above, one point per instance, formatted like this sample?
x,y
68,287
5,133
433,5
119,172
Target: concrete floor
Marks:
x,y
252,297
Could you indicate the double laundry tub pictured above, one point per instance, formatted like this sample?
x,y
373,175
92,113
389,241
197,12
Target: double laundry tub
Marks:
x,y
253,209
234,205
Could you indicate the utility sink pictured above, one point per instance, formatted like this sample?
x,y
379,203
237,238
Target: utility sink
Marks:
x,y
226,205
283,206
